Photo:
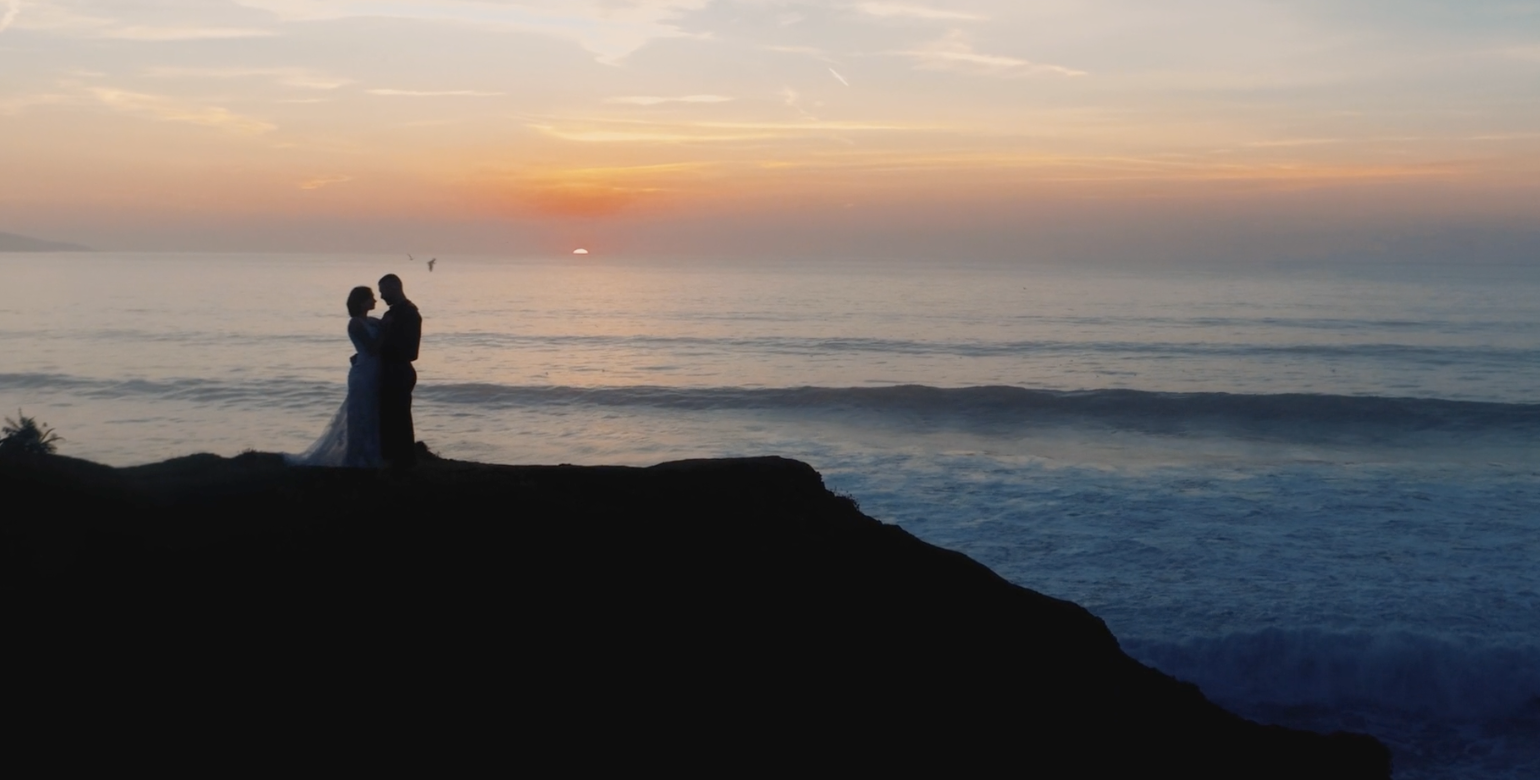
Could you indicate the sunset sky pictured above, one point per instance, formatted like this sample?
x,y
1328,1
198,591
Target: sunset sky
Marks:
x,y
1045,129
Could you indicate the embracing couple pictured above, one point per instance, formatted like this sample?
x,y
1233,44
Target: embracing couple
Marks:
x,y
374,426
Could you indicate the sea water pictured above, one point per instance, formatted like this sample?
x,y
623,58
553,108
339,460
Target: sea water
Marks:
x,y
1313,490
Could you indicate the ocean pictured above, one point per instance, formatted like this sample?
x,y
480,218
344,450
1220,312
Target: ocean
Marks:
x,y
1311,489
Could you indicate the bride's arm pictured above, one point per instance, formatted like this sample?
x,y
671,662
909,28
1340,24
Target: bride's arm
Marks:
x,y
360,333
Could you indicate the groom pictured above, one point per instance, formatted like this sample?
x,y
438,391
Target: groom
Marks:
x,y
400,335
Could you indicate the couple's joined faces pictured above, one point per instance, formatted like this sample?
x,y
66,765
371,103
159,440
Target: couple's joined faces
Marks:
x,y
390,289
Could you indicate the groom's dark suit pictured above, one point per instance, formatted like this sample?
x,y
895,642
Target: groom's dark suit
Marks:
x,y
400,336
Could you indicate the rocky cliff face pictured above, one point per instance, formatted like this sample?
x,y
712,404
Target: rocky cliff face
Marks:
x,y
717,615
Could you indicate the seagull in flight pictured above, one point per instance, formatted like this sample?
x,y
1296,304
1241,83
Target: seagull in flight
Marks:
x,y
430,264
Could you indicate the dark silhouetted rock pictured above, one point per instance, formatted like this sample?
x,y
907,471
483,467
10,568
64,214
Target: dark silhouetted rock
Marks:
x,y
721,615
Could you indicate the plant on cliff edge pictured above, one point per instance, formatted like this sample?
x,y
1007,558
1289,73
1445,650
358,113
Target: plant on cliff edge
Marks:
x,y
26,435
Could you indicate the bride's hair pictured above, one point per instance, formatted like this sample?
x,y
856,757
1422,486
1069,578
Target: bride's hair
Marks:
x,y
357,300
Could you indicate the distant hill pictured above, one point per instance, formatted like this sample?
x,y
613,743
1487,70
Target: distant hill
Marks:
x,y
10,242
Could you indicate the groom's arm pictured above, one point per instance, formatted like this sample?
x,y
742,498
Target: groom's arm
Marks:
x,y
411,337
386,343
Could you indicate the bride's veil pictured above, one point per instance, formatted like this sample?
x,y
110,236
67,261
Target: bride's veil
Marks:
x,y
329,450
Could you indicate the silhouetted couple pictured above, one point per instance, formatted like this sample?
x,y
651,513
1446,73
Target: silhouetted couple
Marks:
x,y
374,426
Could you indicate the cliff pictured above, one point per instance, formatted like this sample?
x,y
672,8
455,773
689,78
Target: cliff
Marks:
x,y
721,615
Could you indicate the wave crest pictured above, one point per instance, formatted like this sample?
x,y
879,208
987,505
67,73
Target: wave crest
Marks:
x,y
992,409
1003,408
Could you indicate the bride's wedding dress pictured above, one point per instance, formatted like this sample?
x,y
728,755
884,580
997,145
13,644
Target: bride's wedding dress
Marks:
x,y
353,437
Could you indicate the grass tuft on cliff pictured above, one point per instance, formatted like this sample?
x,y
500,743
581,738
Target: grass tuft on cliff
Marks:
x,y
26,435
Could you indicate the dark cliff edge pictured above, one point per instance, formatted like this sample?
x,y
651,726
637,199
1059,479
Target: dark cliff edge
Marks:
x,y
723,614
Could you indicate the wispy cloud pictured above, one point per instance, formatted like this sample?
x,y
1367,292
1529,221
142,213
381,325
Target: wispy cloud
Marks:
x,y
322,181
154,34
647,100
12,9
658,135
433,93
809,50
793,99
953,52
66,20
169,109
684,132
289,77
19,103
1503,137
591,192
609,29
837,75
1287,142
889,10
819,126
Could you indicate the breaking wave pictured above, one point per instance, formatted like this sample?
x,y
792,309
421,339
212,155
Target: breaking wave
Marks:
x,y
1292,416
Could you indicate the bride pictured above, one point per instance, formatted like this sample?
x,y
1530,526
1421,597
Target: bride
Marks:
x,y
353,437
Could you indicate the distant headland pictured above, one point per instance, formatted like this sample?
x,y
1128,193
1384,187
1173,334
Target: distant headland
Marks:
x,y
10,242
726,613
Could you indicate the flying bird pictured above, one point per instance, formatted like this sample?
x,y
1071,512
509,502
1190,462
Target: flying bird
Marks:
x,y
430,264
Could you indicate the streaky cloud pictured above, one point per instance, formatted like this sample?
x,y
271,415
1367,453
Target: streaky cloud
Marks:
x,y
904,10
291,77
808,50
19,103
954,53
647,136
161,34
1287,142
609,30
12,9
648,100
322,181
1503,137
433,93
601,131
172,110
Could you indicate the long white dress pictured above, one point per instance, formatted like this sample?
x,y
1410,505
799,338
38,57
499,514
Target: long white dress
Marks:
x,y
353,438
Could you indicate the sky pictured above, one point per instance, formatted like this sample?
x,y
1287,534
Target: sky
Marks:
x,y
1219,130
